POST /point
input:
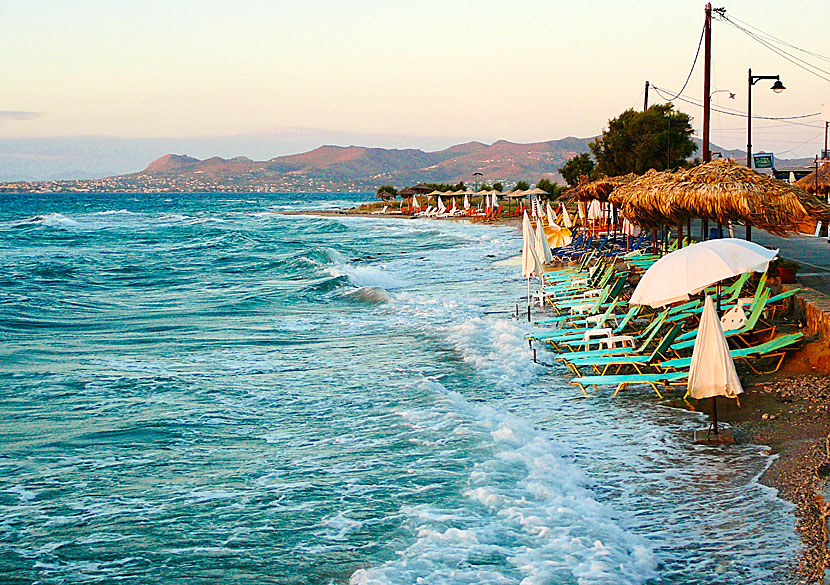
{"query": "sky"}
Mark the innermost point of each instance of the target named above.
(264, 78)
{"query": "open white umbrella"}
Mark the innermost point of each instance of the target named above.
(689, 270)
(712, 371)
(566, 218)
(542, 246)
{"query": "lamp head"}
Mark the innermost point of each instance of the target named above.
(778, 87)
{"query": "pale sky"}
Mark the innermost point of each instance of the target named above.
(521, 71)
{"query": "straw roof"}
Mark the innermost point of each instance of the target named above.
(600, 188)
(817, 181)
(722, 191)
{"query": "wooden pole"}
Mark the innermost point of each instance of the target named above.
(707, 80)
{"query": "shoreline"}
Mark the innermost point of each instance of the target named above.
(787, 412)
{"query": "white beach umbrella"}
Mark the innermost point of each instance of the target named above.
(441, 207)
(689, 270)
(566, 218)
(628, 228)
(531, 263)
(542, 246)
(551, 215)
(580, 209)
(712, 371)
(415, 201)
(495, 200)
(454, 206)
(466, 201)
(595, 210)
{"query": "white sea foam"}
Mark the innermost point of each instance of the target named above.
(530, 518)
(50, 219)
(367, 276)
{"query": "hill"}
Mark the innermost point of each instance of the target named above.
(332, 168)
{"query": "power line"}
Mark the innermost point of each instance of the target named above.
(694, 62)
(780, 41)
(797, 61)
(729, 111)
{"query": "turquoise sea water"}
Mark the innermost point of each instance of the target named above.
(198, 389)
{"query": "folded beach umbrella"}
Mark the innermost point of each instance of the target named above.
(566, 218)
(628, 228)
(712, 371)
(542, 246)
(551, 215)
(415, 201)
(595, 211)
(495, 200)
(466, 201)
(687, 271)
(441, 207)
(454, 206)
(531, 263)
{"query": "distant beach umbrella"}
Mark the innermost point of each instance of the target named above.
(551, 215)
(542, 246)
(466, 201)
(495, 200)
(566, 218)
(629, 228)
(595, 210)
(687, 271)
(441, 207)
(415, 201)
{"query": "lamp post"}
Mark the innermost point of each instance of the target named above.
(777, 87)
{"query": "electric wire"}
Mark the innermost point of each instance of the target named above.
(694, 62)
(797, 61)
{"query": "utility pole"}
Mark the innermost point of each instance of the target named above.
(707, 98)
(645, 107)
(824, 154)
(707, 80)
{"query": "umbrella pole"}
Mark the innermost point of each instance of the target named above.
(715, 415)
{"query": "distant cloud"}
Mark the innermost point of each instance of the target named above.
(6, 115)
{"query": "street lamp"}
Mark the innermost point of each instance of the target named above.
(777, 87)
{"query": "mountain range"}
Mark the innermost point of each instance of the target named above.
(362, 168)
(352, 168)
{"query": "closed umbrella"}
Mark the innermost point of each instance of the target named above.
(551, 215)
(566, 218)
(712, 371)
(415, 202)
(441, 207)
(466, 201)
(542, 246)
(689, 270)
(495, 200)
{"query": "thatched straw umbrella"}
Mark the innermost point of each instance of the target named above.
(818, 181)
(722, 191)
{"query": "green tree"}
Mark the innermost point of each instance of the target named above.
(522, 186)
(386, 192)
(581, 164)
(485, 187)
(498, 187)
(554, 189)
(659, 138)
(460, 186)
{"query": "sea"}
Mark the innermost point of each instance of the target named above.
(207, 388)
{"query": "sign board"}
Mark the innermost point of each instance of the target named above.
(764, 160)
